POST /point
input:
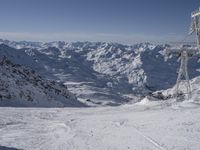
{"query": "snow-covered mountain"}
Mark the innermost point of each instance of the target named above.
(20, 86)
(101, 73)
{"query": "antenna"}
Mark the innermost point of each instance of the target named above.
(195, 25)
(184, 53)
(183, 77)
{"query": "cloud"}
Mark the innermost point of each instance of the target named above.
(107, 37)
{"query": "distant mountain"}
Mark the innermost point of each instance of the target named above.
(99, 72)
(20, 86)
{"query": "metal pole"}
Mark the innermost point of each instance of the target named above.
(183, 77)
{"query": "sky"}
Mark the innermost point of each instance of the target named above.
(123, 21)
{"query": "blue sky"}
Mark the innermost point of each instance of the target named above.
(124, 21)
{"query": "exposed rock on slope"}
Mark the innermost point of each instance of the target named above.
(20, 86)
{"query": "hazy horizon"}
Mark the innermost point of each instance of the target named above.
(126, 22)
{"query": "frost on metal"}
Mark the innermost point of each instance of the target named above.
(184, 53)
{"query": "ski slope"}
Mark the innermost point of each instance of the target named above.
(142, 126)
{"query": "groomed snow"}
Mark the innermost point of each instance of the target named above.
(142, 126)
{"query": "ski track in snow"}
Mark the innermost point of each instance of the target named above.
(134, 127)
(137, 131)
(155, 143)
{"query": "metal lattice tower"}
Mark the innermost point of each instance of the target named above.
(195, 26)
(183, 77)
(183, 87)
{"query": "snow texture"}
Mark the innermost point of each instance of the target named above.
(165, 125)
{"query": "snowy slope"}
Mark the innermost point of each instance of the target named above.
(20, 86)
(104, 73)
(195, 82)
(157, 126)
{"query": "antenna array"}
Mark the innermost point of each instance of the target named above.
(184, 53)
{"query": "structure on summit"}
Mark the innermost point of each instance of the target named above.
(184, 53)
(195, 26)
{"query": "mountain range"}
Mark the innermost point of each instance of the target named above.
(100, 73)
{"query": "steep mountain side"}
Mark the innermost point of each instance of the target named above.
(20, 86)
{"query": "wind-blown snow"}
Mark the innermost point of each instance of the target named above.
(153, 126)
